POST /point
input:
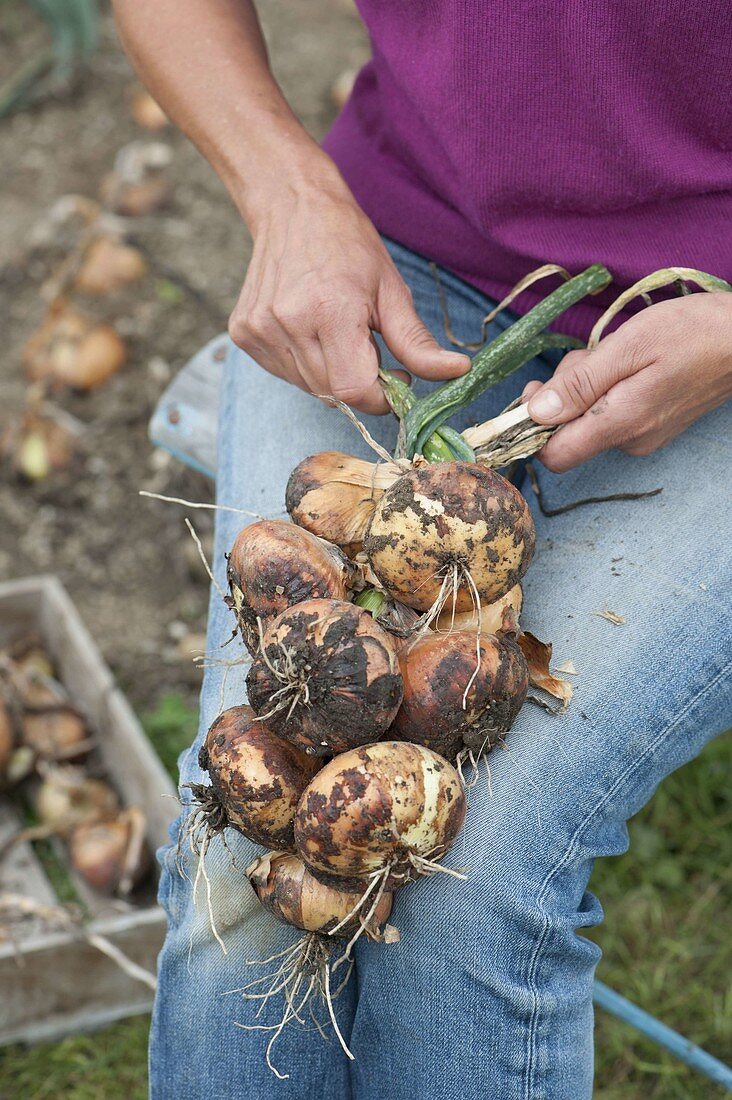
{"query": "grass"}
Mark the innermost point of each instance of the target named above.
(665, 940)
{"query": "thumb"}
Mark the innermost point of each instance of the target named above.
(411, 342)
(577, 385)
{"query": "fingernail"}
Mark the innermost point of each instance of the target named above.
(545, 405)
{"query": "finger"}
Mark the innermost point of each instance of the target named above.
(408, 338)
(617, 418)
(351, 362)
(530, 389)
(583, 377)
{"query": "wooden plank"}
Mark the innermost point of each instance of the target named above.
(61, 984)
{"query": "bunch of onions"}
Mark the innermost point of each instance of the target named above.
(274, 565)
(327, 677)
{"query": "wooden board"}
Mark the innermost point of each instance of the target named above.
(185, 422)
(55, 983)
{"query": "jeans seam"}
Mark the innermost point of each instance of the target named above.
(569, 851)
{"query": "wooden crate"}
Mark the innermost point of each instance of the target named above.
(57, 983)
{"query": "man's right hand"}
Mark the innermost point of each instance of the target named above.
(319, 282)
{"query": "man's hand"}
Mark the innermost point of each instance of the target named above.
(643, 384)
(319, 282)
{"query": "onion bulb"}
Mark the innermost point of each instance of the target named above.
(334, 496)
(302, 972)
(327, 678)
(450, 533)
(67, 798)
(286, 888)
(456, 701)
(136, 198)
(492, 617)
(383, 813)
(55, 733)
(111, 856)
(256, 779)
(272, 565)
(69, 349)
(109, 264)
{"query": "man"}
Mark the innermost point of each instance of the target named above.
(490, 138)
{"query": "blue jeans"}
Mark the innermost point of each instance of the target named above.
(489, 993)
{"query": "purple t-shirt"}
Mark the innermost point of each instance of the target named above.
(496, 136)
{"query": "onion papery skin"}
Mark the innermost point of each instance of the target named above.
(294, 896)
(257, 778)
(370, 808)
(501, 615)
(446, 518)
(439, 674)
(342, 668)
(333, 495)
(275, 564)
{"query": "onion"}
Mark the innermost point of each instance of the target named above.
(450, 532)
(286, 888)
(55, 733)
(108, 265)
(492, 617)
(256, 779)
(303, 970)
(334, 496)
(327, 678)
(455, 701)
(37, 445)
(382, 814)
(136, 199)
(67, 798)
(109, 855)
(272, 565)
(70, 349)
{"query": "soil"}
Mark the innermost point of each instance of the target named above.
(127, 562)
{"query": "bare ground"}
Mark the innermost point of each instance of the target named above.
(126, 562)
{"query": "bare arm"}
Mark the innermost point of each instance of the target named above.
(320, 279)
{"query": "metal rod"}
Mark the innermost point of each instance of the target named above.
(642, 1021)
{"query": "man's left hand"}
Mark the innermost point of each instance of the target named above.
(642, 385)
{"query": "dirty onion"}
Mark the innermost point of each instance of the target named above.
(326, 677)
(273, 565)
(285, 887)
